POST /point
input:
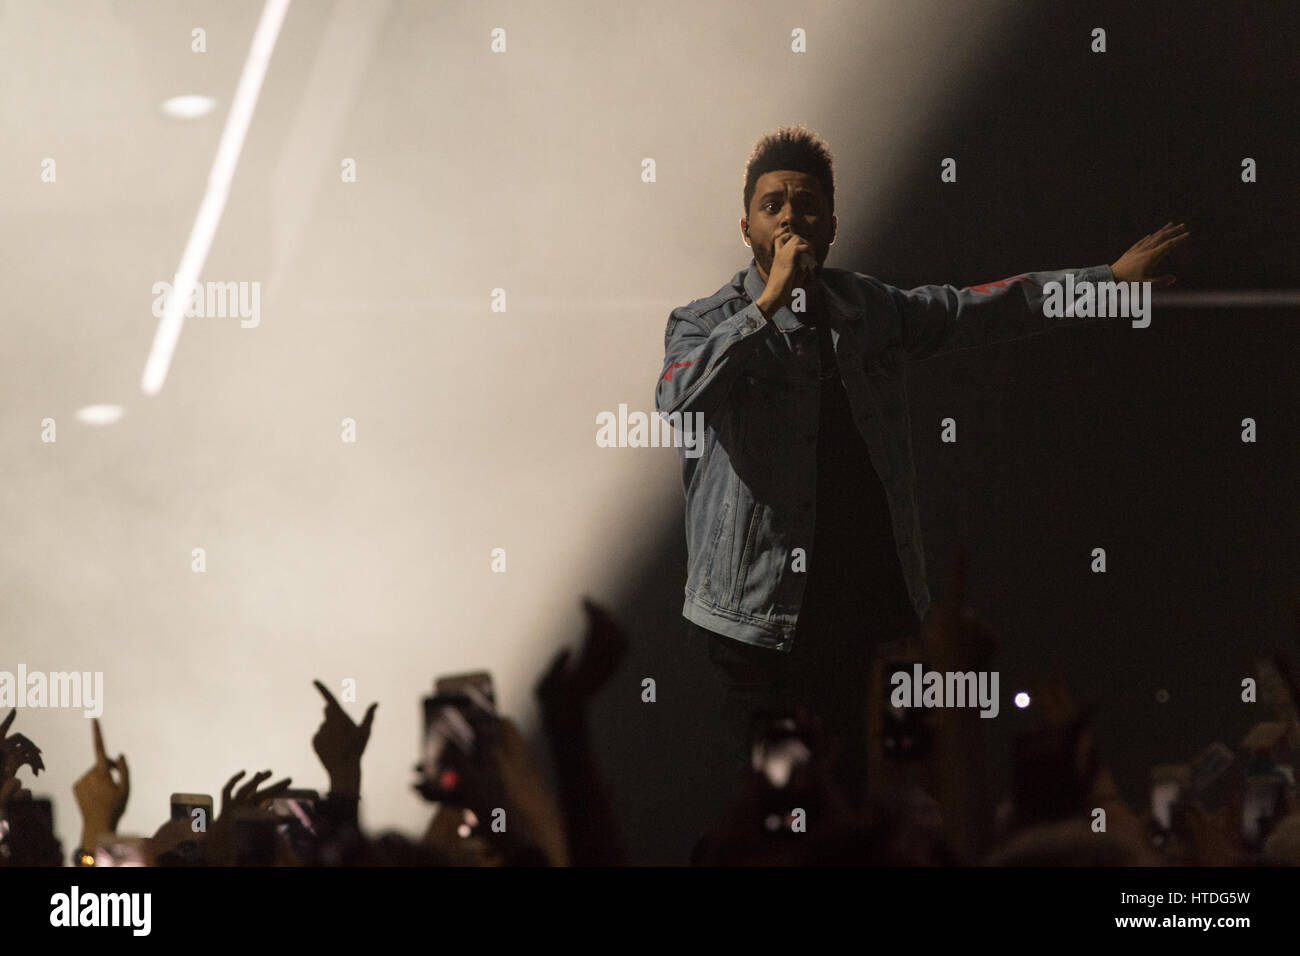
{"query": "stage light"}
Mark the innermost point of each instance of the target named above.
(188, 106)
(100, 414)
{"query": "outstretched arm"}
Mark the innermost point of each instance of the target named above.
(942, 318)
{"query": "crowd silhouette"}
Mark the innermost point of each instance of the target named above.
(931, 806)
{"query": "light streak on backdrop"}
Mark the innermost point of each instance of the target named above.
(214, 197)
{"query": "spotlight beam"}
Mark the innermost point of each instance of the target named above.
(215, 195)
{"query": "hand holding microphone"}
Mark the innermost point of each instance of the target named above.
(793, 264)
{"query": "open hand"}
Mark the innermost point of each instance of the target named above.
(1142, 261)
(566, 685)
(249, 795)
(15, 751)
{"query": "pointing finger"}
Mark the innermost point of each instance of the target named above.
(330, 702)
(100, 756)
(125, 784)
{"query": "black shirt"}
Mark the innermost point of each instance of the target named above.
(855, 579)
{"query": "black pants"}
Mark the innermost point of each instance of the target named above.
(828, 672)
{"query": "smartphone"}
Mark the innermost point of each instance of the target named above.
(905, 730)
(296, 817)
(780, 752)
(1169, 784)
(194, 808)
(476, 685)
(297, 807)
(122, 851)
(254, 836)
(457, 724)
(457, 731)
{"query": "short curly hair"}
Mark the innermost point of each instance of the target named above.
(796, 148)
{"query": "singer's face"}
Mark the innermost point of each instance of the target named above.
(788, 202)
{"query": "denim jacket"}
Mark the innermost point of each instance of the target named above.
(750, 484)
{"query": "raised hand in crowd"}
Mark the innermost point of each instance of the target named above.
(16, 751)
(565, 692)
(101, 797)
(340, 742)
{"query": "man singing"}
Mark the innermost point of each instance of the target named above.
(803, 537)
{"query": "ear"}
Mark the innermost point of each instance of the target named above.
(744, 231)
(835, 224)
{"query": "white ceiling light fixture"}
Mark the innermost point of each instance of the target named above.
(189, 106)
(215, 195)
(100, 414)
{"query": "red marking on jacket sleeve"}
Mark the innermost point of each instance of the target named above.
(987, 287)
(668, 375)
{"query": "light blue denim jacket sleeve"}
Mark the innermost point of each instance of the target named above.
(751, 383)
(941, 318)
(702, 360)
